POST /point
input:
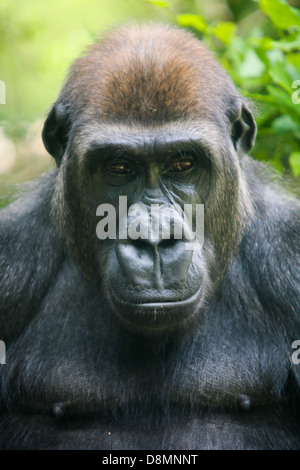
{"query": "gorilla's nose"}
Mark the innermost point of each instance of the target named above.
(154, 263)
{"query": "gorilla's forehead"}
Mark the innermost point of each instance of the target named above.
(205, 135)
(149, 74)
(150, 91)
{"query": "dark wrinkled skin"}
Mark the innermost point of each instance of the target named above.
(122, 344)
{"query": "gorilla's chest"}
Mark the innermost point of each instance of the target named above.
(79, 376)
(263, 428)
(75, 353)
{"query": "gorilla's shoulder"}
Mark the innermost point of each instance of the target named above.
(276, 210)
(25, 224)
(270, 249)
(31, 251)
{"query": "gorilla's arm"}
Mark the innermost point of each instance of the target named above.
(31, 253)
(271, 252)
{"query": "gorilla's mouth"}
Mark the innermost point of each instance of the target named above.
(156, 313)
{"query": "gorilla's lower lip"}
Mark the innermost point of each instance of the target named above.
(163, 303)
(157, 315)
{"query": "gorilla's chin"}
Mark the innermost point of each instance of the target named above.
(155, 313)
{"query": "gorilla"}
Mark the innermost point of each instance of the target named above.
(154, 340)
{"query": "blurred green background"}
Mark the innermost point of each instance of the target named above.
(258, 42)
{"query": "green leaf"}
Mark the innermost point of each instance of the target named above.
(258, 97)
(251, 66)
(290, 43)
(283, 101)
(287, 46)
(294, 59)
(264, 43)
(294, 161)
(280, 76)
(281, 14)
(224, 31)
(195, 21)
(285, 124)
(159, 3)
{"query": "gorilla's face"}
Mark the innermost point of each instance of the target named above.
(146, 219)
(139, 177)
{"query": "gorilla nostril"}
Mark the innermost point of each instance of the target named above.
(142, 248)
(141, 244)
(152, 245)
(168, 243)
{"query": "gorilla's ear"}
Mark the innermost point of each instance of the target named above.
(55, 132)
(243, 129)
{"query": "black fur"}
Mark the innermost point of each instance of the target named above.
(78, 376)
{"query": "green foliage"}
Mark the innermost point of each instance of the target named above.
(295, 162)
(258, 42)
(265, 64)
(282, 15)
(194, 21)
(159, 3)
(38, 42)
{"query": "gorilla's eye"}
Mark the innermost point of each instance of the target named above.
(120, 168)
(181, 165)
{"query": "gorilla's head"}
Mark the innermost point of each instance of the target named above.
(148, 125)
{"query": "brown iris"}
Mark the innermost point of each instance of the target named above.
(121, 168)
(181, 165)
